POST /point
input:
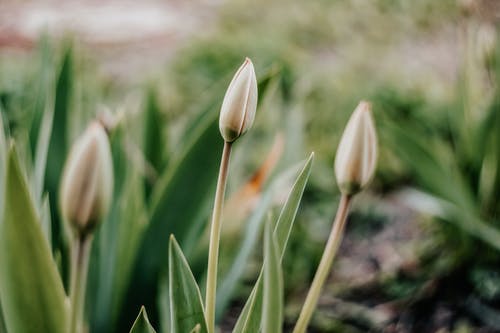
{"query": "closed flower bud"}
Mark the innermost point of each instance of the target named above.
(357, 152)
(240, 103)
(87, 183)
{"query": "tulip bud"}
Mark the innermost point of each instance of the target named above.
(87, 183)
(240, 103)
(357, 152)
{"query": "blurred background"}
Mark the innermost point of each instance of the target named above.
(422, 249)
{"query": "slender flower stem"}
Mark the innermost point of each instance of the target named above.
(324, 266)
(79, 270)
(213, 254)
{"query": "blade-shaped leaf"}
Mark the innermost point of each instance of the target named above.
(116, 240)
(57, 148)
(46, 220)
(250, 318)
(179, 201)
(3, 162)
(141, 324)
(186, 306)
(42, 88)
(42, 149)
(272, 307)
(287, 216)
(31, 289)
(154, 140)
(230, 280)
(58, 143)
(3, 329)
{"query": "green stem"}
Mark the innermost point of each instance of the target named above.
(324, 266)
(213, 253)
(79, 270)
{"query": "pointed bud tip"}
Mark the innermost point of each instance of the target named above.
(364, 106)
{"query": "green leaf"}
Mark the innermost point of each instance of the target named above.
(141, 324)
(272, 308)
(3, 162)
(179, 203)
(154, 140)
(287, 216)
(31, 290)
(58, 139)
(42, 89)
(251, 316)
(185, 299)
(45, 218)
(117, 240)
(42, 150)
(3, 329)
(239, 263)
(231, 278)
(57, 149)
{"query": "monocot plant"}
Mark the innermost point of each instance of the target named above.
(36, 295)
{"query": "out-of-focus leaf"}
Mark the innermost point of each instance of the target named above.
(154, 140)
(180, 200)
(272, 307)
(164, 305)
(186, 306)
(58, 141)
(265, 81)
(45, 218)
(31, 291)
(3, 162)
(42, 90)
(117, 240)
(445, 184)
(3, 329)
(251, 316)
(141, 324)
(448, 211)
(432, 170)
(42, 149)
(62, 103)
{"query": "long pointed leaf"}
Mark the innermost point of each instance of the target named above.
(154, 140)
(42, 150)
(179, 201)
(272, 307)
(230, 280)
(3, 162)
(186, 306)
(250, 318)
(31, 290)
(141, 324)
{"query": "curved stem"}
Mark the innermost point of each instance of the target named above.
(324, 266)
(79, 270)
(213, 253)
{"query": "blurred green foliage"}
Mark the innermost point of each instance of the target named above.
(320, 58)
